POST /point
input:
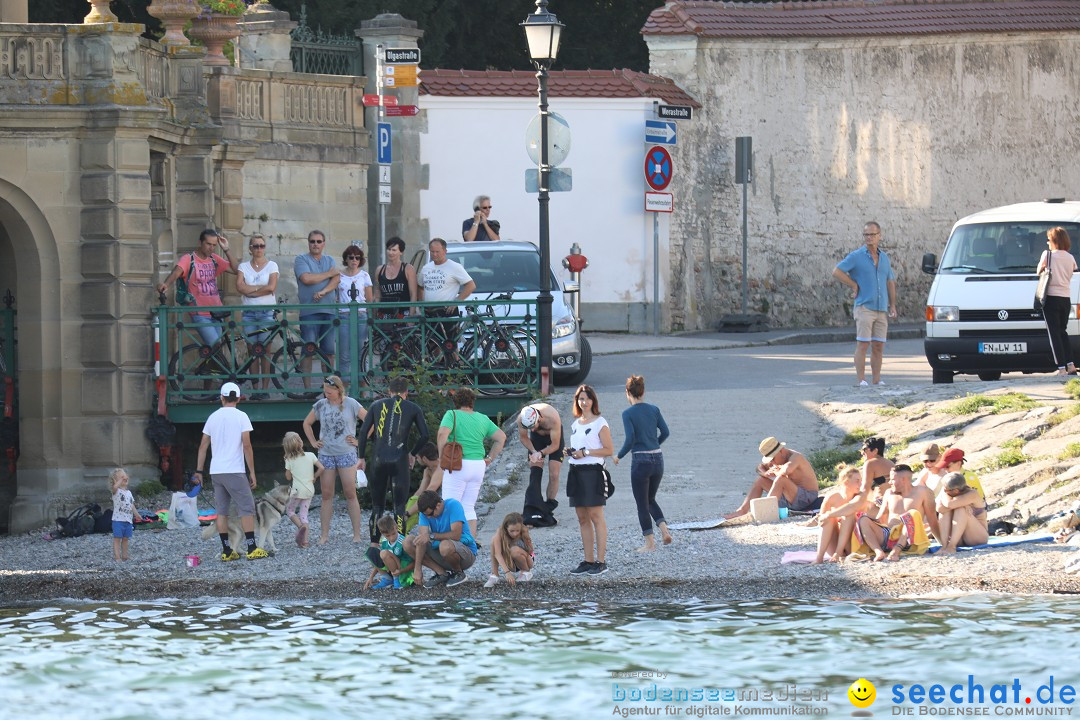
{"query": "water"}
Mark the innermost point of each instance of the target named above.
(500, 659)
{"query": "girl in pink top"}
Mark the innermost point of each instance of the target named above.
(1059, 297)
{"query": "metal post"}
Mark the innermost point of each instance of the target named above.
(544, 299)
(656, 273)
(379, 71)
(745, 185)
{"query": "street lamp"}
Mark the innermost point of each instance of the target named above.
(542, 32)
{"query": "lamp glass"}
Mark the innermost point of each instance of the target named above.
(543, 38)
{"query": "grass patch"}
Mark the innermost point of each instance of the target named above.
(148, 489)
(1066, 413)
(1072, 389)
(1008, 458)
(888, 411)
(1013, 444)
(1071, 450)
(1007, 402)
(898, 447)
(856, 436)
(824, 463)
(1059, 484)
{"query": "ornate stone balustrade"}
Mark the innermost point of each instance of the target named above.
(151, 68)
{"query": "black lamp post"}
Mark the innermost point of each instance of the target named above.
(542, 31)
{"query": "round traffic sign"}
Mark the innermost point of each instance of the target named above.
(558, 139)
(658, 167)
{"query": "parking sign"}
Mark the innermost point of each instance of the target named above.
(383, 143)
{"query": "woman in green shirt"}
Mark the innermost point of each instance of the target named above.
(470, 428)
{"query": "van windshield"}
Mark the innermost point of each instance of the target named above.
(500, 271)
(1000, 248)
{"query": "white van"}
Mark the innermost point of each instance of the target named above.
(980, 316)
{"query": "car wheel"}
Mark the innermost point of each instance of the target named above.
(584, 367)
(989, 376)
(943, 377)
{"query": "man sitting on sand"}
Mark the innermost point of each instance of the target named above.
(784, 474)
(899, 527)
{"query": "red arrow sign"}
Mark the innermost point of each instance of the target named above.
(402, 111)
(373, 100)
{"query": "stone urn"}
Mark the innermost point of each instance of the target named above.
(214, 30)
(173, 15)
(99, 13)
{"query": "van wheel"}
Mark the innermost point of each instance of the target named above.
(943, 377)
(989, 376)
(584, 366)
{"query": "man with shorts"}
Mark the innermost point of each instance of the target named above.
(441, 541)
(444, 280)
(899, 526)
(317, 279)
(389, 422)
(540, 431)
(871, 278)
(784, 474)
(227, 433)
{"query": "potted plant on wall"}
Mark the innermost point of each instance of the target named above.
(217, 25)
(174, 14)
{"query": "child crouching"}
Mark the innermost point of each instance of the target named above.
(511, 551)
(396, 562)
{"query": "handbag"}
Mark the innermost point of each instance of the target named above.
(452, 452)
(609, 486)
(1044, 283)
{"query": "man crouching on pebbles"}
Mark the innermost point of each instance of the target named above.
(784, 474)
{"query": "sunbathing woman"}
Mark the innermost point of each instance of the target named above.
(961, 514)
(832, 514)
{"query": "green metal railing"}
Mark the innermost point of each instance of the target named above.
(9, 390)
(491, 348)
(324, 53)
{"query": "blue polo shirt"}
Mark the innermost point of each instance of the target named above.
(873, 281)
(452, 512)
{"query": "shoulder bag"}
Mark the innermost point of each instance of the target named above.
(609, 486)
(1044, 282)
(452, 452)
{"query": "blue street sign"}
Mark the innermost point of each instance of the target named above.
(660, 132)
(383, 143)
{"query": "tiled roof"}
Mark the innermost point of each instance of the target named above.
(840, 18)
(561, 83)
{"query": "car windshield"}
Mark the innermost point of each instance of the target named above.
(1000, 248)
(499, 271)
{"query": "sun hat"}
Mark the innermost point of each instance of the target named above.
(769, 447)
(529, 417)
(953, 455)
(931, 454)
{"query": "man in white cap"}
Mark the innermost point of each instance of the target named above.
(227, 433)
(540, 431)
(784, 474)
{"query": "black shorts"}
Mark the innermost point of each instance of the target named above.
(540, 442)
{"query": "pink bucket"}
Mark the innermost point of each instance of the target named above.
(192, 561)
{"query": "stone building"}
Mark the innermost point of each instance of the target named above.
(911, 112)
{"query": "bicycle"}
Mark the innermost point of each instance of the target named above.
(196, 368)
(498, 354)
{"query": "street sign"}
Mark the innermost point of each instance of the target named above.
(558, 139)
(384, 194)
(660, 132)
(401, 71)
(402, 56)
(373, 100)
(559, 180)
(659, 202)
(675, 112)
(383, 146)
(658, 168)
(392, 81)
(384, 174)
(402, 111)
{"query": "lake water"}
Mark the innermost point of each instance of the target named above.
(501, 659)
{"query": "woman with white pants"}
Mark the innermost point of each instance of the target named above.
(470, 428)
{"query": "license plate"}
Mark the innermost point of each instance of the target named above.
(1003, 348)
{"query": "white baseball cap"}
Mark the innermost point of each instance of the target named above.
(230, 388)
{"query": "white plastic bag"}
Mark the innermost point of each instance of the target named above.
(183, 512)
(361, 479)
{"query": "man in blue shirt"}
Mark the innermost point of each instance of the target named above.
(441, 541)
(317, 279)
(868, 273)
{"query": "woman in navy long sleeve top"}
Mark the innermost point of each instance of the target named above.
(644, 430)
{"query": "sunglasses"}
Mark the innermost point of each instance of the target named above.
(315, 242)
(257, 247)
(330, 381)
(353, 257)
(485, 207)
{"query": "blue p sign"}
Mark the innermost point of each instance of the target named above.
(383, 141)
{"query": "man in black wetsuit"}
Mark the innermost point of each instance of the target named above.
(392, 418)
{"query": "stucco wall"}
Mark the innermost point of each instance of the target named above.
(473, 146)
(912, 132)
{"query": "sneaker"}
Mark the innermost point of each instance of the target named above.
(231, 555)
(384, 582)
(456, 578)
(863, 383)
(598, 568)
(581, 569)
(492, 581)
(438, 580)
(879, 383)
(524, 576)
(397, 583)
(257, 554)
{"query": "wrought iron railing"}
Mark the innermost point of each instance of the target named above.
(489, 348)
(9, 390)
(324, 53)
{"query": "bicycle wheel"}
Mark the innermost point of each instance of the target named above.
(509, 365)
(288, 364)
(196, 372)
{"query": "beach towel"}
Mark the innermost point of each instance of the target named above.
(911, 521)
(698, 525)
(1000, 542)
(800, 557)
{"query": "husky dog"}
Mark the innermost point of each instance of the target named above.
(269, 509)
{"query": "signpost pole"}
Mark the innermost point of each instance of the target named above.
(656, 273)
(379, 70)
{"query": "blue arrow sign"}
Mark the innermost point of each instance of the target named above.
(383, 143)
(660, 132)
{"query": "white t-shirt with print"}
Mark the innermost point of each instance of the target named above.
(584, 436)
(443, 282)
(360, 281)
(258, 277)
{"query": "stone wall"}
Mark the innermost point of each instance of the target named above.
(912, 132)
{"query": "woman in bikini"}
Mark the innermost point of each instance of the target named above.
(961, 514)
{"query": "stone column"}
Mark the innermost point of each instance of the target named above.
(406, 174)
(265, 43)
(14, 11)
